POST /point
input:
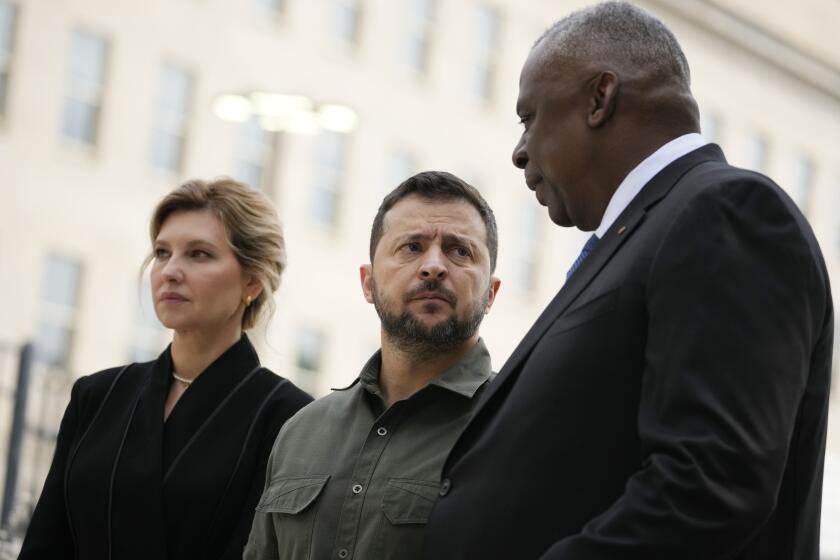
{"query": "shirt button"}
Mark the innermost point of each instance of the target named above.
(357, 488)
(381, 431)
(343, 553)
(445, 486)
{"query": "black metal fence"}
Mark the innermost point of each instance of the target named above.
(33, 397)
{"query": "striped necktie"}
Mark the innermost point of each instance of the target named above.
(587, 248)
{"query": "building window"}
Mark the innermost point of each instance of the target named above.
(275, 7)
(85, 87)
(309, 357)
(59, 303)
(757, 149)
(401, 166)
(169, 136)
(526, 257)
(310, 343)
(8, 20)
(347, 16)
(148, 333)
(417, 41)
(488, 25)
(803, 182)
(329, 168)
(255, 163)
(837, 218)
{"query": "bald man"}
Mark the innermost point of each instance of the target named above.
(671, 401)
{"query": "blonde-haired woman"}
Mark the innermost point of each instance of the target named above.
(166, 459)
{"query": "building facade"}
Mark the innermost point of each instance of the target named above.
(105, 106)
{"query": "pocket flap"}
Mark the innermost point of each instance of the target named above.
(409, 501)
(291, 494)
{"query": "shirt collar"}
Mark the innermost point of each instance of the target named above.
(643, 173)
(467, 375)
(464, 377)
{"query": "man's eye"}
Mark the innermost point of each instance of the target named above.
(412, 247)
(462, 251)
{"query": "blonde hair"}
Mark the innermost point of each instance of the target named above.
(254, 231)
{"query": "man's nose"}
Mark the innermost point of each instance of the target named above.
(520, 156)
(433, 266)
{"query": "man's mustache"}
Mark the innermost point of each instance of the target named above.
(432, 287)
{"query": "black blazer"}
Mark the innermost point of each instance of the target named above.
(670, 402)
(125, 485)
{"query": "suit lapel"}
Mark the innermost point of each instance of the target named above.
(137, 495)
(625, 225)
(205, 399)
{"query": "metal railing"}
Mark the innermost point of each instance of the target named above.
(33, 396)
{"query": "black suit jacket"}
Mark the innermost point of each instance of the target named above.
(670, 402)
(125, 485)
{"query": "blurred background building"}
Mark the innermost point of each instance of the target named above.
(105, 105)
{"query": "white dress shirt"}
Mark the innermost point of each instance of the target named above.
(644, 172)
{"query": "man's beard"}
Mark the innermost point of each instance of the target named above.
(409, 334)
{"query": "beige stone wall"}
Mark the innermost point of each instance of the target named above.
(92, 204)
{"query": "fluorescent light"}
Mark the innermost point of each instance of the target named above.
(296, 114)
(302, 122)
(337, 118)
(274, 124)
(278, 104)
(233, 108)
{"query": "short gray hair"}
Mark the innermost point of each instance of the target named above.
(618, 32)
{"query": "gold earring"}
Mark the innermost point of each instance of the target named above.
(247, 301)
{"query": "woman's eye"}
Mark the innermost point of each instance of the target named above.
(161, 253)
(199, 254)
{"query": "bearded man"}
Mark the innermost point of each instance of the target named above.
(355, 474)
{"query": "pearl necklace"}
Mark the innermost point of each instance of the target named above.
(186, 382)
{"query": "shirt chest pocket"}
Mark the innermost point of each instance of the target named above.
(291, 503)
(406, 506)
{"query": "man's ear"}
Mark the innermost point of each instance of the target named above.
(603, 97)
(366, 277)
(495, 284)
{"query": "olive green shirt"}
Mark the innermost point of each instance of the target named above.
(349, 479)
